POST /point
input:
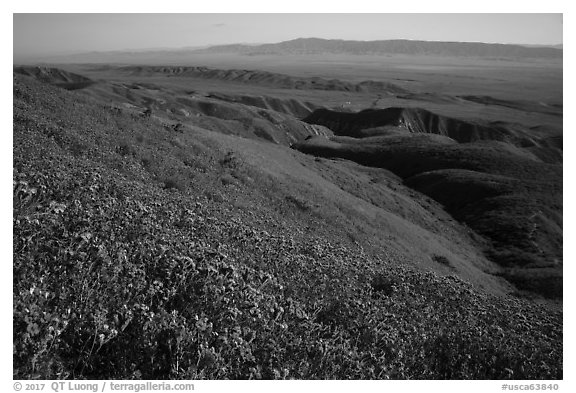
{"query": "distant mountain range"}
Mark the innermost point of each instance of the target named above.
(316, 46)
(302, 46)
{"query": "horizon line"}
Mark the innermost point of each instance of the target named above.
(207, 46)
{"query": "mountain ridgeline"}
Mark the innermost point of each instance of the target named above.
(264, 78)
(306, 46)
(318, 46)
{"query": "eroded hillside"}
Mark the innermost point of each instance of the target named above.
(503, 182)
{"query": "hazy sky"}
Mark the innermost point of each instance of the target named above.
(39, 34)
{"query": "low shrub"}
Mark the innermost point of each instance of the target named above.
(174, 183)
(441, 259)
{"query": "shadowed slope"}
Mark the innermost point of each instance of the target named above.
(506, 195)
(416, 120)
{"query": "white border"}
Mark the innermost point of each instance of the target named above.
(356, 6)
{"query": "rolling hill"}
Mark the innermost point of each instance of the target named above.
(269, 79)
(55, 76)
(496, 180)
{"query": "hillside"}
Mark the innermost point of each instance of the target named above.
(374, 122)
(270, 79)
(504, 182)
(55, 76)
(214, 251)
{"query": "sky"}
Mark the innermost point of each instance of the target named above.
(41, 34)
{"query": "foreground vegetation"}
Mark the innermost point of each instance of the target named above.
(124, 268)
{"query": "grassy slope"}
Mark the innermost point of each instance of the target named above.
(356, 219)
(129, 236)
